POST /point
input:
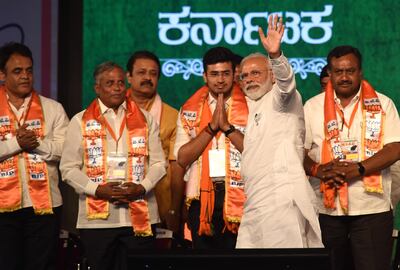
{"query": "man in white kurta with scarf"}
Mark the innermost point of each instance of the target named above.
(352, 137)
(279, 211)
(113, 158)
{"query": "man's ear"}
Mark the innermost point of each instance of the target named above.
(205, 77)
(128, 77)
(96, 89)
(272, 76)
(2, 76)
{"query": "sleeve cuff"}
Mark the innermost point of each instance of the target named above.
(277, 61)
(90, 188)
(42, 149)
(392, 140)
(147, 184)
(14, 146)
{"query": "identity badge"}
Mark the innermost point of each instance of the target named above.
(350, 149)
(216, 158)
(116, 167)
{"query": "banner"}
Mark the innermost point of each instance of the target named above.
(180, 32)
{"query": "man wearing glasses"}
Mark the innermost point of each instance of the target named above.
(278, 212)
(208, 144)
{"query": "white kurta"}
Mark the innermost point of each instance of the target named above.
(279, 211)
(73, 171)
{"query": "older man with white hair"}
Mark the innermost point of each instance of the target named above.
(279, 211)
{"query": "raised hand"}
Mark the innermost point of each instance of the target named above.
(272, 42)
(215, 118)
(220, 120)
(223, 123)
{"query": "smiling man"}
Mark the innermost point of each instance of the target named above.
(113, 158)
(208, 145)
(278, 212)
(32, 130)
(352, 137)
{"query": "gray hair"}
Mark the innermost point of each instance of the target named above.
(103, 67)
(256, 55)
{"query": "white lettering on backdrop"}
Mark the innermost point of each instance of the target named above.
(186, 26)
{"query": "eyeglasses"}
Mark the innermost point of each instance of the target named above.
(254, 74)
(215, 74)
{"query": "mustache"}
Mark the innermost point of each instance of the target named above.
(247, 87)
(146, 83)
(344, 82)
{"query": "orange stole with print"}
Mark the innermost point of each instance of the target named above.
(371, 142)
(196, 115)
(95, 155)
(36, 167)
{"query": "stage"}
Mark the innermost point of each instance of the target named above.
(244, 259)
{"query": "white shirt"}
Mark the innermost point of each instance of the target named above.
(73, 172)
(276, 186)
(183, 138)
(50, 148)
(360, 202)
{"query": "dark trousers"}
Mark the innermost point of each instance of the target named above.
(108, 248)
(29, 241)
(358, 242)
(220, 239)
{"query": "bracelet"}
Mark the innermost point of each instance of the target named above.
(212, 130)
(207, 129)
(314, 169)
(230, 130)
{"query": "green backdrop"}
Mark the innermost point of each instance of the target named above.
(114, 29)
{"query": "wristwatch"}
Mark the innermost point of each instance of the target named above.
(171, 212)
(230, 130)
(361, 169)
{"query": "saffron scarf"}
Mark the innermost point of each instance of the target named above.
(36, 168)
(371, 142)
(153, 106)
(95, 155)
(195, 116)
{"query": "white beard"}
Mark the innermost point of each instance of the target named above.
(259, 92)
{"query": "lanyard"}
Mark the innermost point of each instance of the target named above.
(341, 114)
(121, 130)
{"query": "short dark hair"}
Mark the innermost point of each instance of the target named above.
(142, 55)
(324, 72)
(218, 55)
(11, 48)
(105, 66)
(237, 59)
(343, 50)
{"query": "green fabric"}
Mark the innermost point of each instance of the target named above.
(114, 29)
(397, 217)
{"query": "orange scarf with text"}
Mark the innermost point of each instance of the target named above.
(36, 168)
(95, 158)
(371, 142)
(195, 116)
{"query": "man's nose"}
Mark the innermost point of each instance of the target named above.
(24, 74)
